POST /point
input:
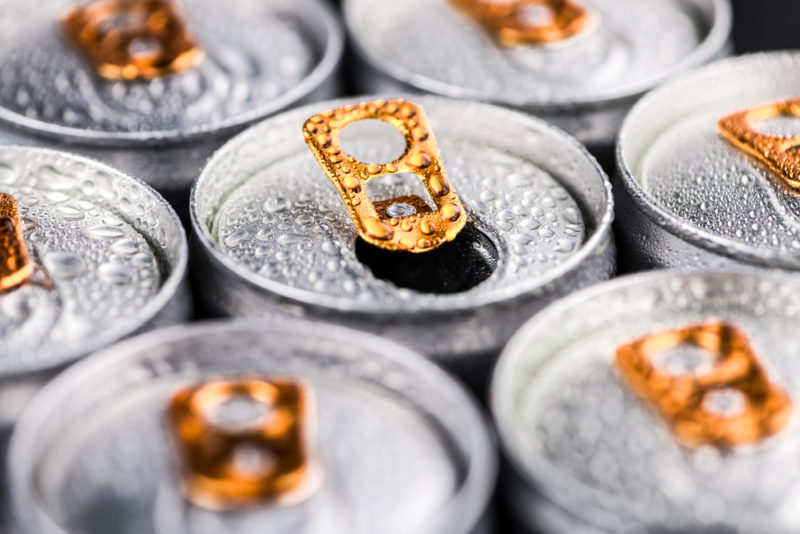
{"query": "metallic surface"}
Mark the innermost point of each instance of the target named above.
(261, 58)
(130, 39)
(16, 266)
(245, 442)
(777, 151)
(405, 448)
(585, 85)
(592, 457)
(274, 237)
(512, 24)
(689, 198)
(422, 230)
(114, 250)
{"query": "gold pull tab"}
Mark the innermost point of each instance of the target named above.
(420, 232)
(684, 400)
(509, 23)
(130, 39)
(16, 267)
(245, 442)
(780, 153)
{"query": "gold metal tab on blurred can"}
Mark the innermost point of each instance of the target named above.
(16, 266)
(133, 39)
(510, 26)
(683, 400)
(425, 229)
(245, 442)
(778, 152)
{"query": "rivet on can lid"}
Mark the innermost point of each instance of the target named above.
(420, 230)
(133, 39)
(683, 400)
(509, 24)
(780, 153)
(16, 266)
(245, 442)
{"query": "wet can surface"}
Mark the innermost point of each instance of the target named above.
(107, 258)
(275, 237)
(660, 402)
(392, 444)
(578, 65)
(156, 102)
(706, 175)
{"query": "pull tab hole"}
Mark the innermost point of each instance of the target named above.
(239, 412)
(372, 141)
(536, 16)
(726, 402)
(785, 124)
(144, 48)
(686, 359)
(396, 186)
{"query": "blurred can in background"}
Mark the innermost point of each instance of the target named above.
(706, 163)
(153, 87)
(89, 256)
(579, 65)
(391, 443)
(275, 237)
(660, 402)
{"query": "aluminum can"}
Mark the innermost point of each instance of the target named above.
(688, 197)
(274, 237)
(403, 447)
(111, 259)
(660, 402)
(583, 82)
(261, 56)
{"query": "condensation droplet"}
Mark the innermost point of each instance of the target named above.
(112, 273)
(103, 231)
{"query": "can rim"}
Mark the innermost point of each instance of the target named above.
(515, 352)
(665, 219)
(322, 71)
(462, 512)
(589, 247)
(715, 41)
(169, 288)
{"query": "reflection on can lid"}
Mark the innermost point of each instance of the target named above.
(638, 406)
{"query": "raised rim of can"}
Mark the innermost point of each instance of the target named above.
(325, 68)
(464, 511)
(515, 351)
(169, 288)
(589, 247)
(670, 222)
(715, 41)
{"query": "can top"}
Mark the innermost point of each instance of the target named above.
(660, 402)
(110, 253)
(265, 210)
(404, 447)
(683, 170)
(623, 50)
(260, 56)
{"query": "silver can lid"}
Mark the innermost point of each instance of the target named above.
(260, 56)
(109, 252)
(683, 173)
(266, 211)
(598, 438)
(624, 48)
(403, 447)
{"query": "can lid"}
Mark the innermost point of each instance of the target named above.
(404, 447)
(710, 158)
(652, 403)
(260, 56)
(594, 53)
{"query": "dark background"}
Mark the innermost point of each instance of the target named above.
(765, 25)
